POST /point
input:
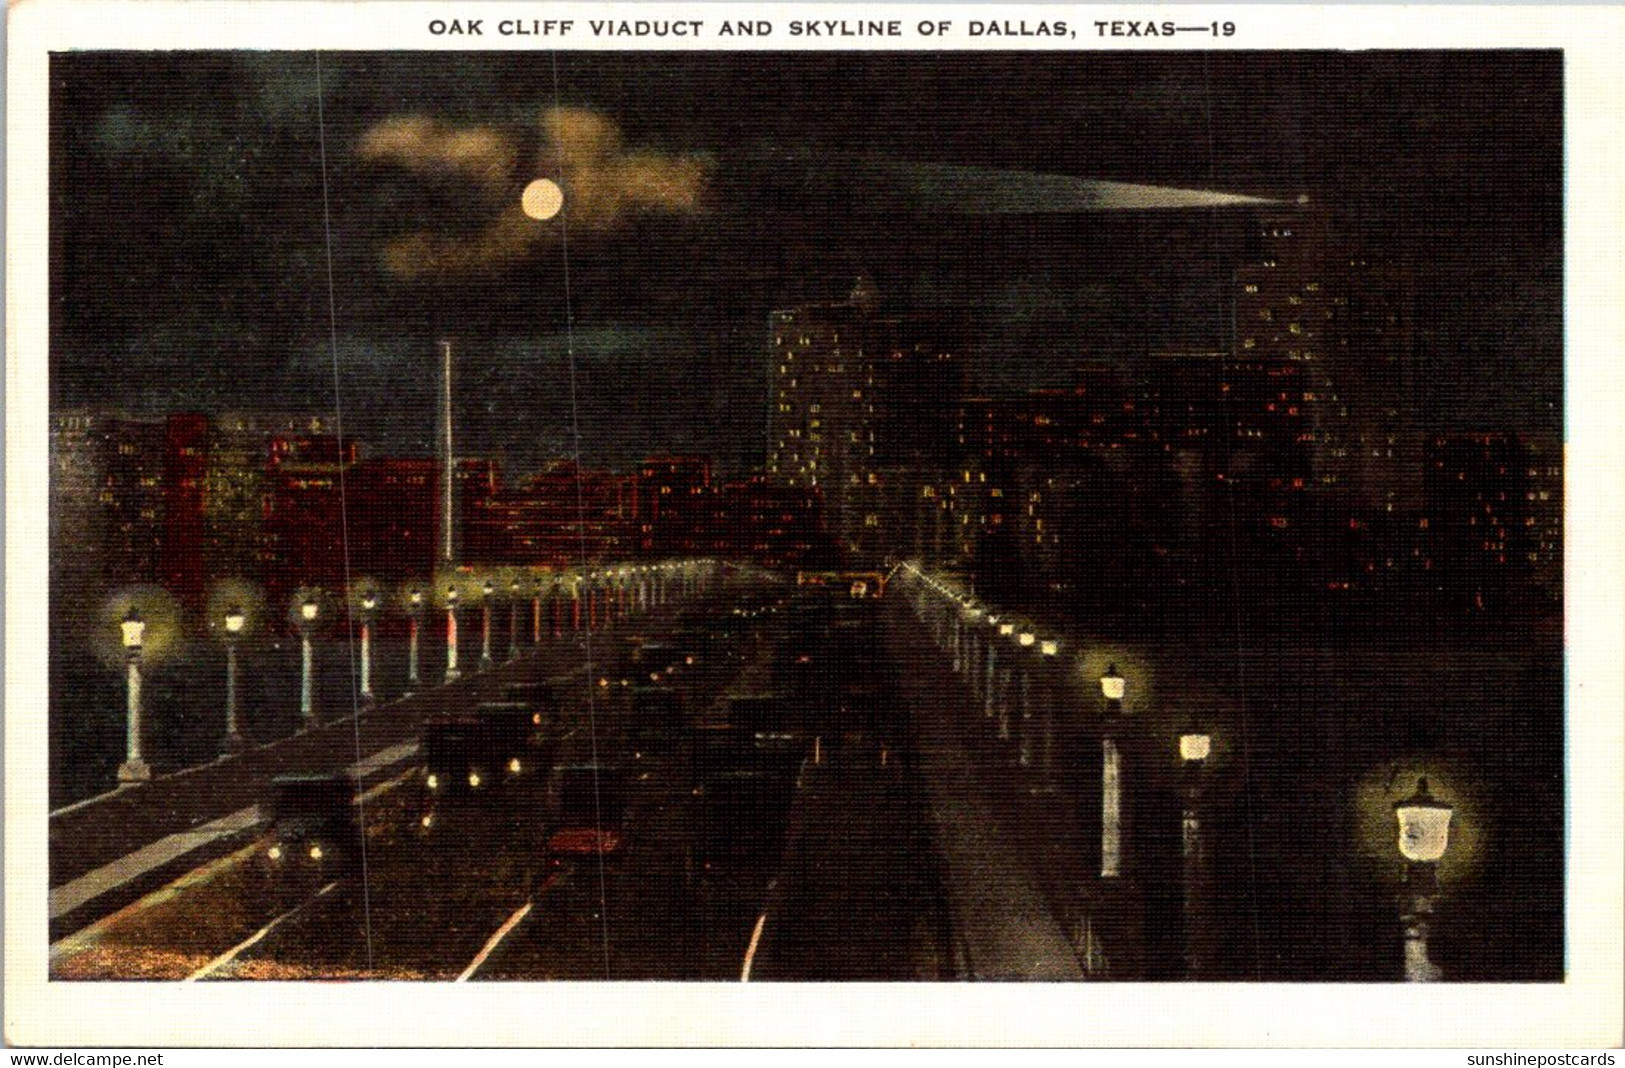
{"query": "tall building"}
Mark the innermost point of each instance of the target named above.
(306, 512)
(862, 409)
(673, 500)
(132, 499)
(1493, 516)
(182, 568)
(77, 514)
(559, 516)
(1321, 372)
(395, 518)
(236, 487)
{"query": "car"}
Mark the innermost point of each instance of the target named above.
(657, 718)
(315, 832)
(591, 806)
(542, 697)
(513, 730)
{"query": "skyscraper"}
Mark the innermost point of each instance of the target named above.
(862, 411)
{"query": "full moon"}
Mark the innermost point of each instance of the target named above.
(542, 199)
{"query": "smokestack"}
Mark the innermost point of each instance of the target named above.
(449, 552)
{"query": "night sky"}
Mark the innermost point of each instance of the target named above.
(188, 268)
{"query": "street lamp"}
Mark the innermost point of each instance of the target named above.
(1195, 746)
(131, 630)
(1048, 650)
(1024, 744)
(308, 611)
(513, 620)
(452, 674)
(1112, 687)
(990, 682)
(369, 605)
(486, 590)
(414, 612)
(235, 619)
(536, 611)
(1001, 682)
(1424, 835)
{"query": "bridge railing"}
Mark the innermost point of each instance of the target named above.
(1106, 771)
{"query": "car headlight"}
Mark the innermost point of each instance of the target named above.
(434, 782)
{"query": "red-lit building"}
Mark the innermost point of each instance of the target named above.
(765, 521)
(181, 550)
(395, 517)
(304, 517)
(1493, 516)
(558, 516)
(673, 501)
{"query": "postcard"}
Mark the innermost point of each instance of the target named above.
(724, 524)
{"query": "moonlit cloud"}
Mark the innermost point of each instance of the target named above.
(604, 184)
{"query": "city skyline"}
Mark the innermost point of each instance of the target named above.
(667, 291)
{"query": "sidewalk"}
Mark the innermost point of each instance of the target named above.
(108, 850)
(1005, 927)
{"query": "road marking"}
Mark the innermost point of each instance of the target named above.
(231, 954)
(109, 877)
(383, 759)
(750, 954)
(85, 938)
(69, 896)
(495, 940)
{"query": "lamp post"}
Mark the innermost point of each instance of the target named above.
(452, 674)
(990, 672)
(1004, 680)
(414, 613)
(234, 742)
(1424, 835)
(134, 769)
(1048, 649)
(308, 611)
(1112, 687)
(1024, 731)
(513, 620)
(536, 611)
(1194, 747)
(369, 605)
(485, 626)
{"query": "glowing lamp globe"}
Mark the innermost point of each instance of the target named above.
(235, 618)
(1194, 747)
(489, 588)
(369, 600)
(416, 599)
(308, 610)
(1112, 685)
(131, 628)
(1424, 825)
(1049, 647)
(451, 597)
(1006, 629)
(1026, 638)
